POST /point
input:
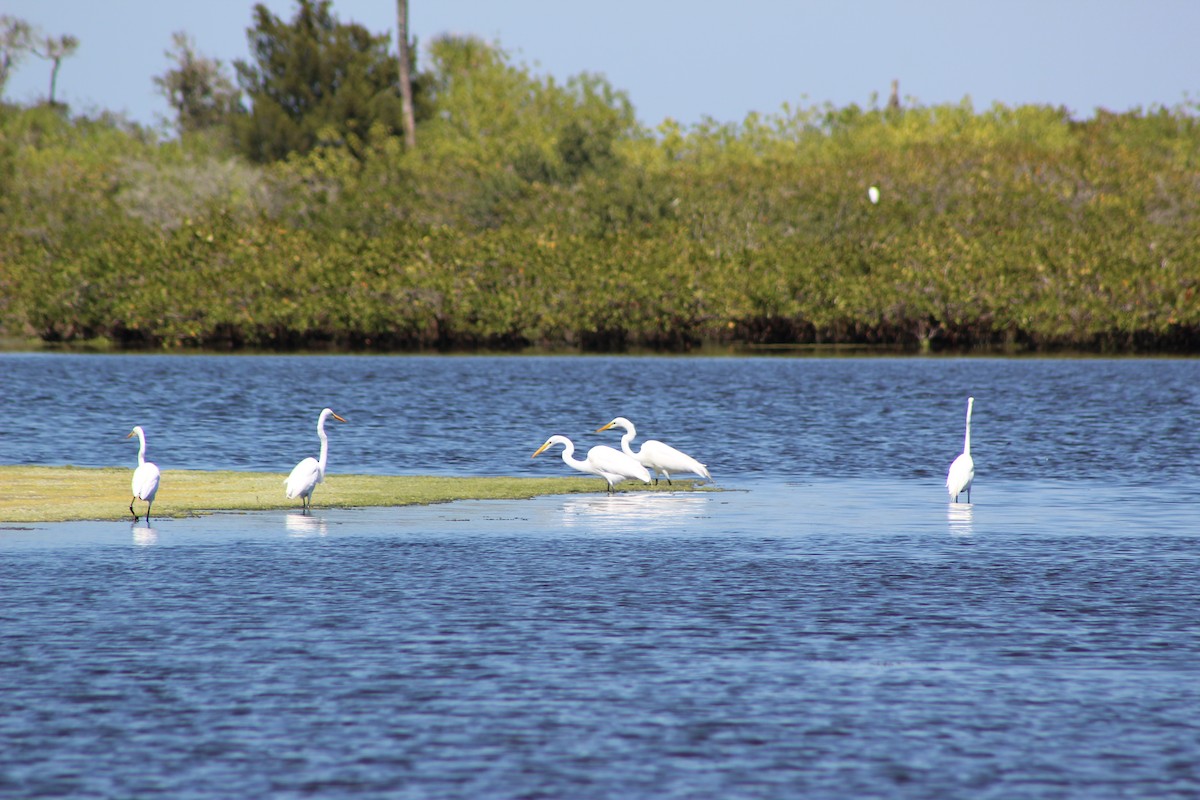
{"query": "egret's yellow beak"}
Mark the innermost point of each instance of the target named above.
(339, 419)
(130, 436)
(540, 450)
(606, 427)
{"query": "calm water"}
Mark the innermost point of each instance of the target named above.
(1130, 421)
(830, 627)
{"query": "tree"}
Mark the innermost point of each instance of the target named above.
(406, 89)
(16, 40)
(18, 37)
(490, 111)
(56, 49)
(198, 88)
(311, 78)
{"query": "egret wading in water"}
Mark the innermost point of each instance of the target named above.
(612, 465)
(653, 454)
(145, 477)
(962, 469)
(311, 471)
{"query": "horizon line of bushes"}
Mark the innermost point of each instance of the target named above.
(539, 214)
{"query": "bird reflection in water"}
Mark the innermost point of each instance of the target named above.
(143, 537)
(961, 517)
(640, 511)
(302, 525)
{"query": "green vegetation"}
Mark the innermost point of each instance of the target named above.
(312, 78)
(533, 212)
(60, 494)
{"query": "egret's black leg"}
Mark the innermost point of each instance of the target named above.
(131, 511)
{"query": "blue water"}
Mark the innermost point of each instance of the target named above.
(829, 626)
(1132, 421)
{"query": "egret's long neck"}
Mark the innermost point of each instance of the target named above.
(141, 448)
(627, 441)
(324, 445)
(568, 456)
(967, 438)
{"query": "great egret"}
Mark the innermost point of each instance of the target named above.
(145, 477)
(612, 465)
(962, 469)
(656, 455)
(873, 194)
(311, 471)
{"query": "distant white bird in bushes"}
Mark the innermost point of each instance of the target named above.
(311, 471)
(145, 477)
(873, 193)
(612, 465)
(962, 469)
(662, 458)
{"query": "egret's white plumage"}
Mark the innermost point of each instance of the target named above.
(962, 469)
(662, 458)
(145, 477)
(311, 471)
(612, 465)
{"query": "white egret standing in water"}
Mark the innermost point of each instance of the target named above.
(145, 477)
(962, 469)
(612, 465)
(662, 458)
(311, 471)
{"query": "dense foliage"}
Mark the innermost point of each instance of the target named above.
(310, 78)
(540, 213)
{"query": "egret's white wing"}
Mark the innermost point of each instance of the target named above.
(614, 462)
(962, 472)
(304, 478)
(145, 481)
(664, 458)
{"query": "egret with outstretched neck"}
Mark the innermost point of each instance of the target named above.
(145, 477)
(311, 471)
(612, 465)
(653, 454)
(962, 469)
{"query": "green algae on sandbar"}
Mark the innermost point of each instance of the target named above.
(63, 494)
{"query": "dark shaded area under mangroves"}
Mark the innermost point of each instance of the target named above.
(1015, 228)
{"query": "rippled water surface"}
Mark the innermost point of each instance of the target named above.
(829, 626)
(1128, 420)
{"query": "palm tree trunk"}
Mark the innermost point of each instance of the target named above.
(54, 78)
(406, 97)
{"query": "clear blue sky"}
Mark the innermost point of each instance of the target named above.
(688, 60)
